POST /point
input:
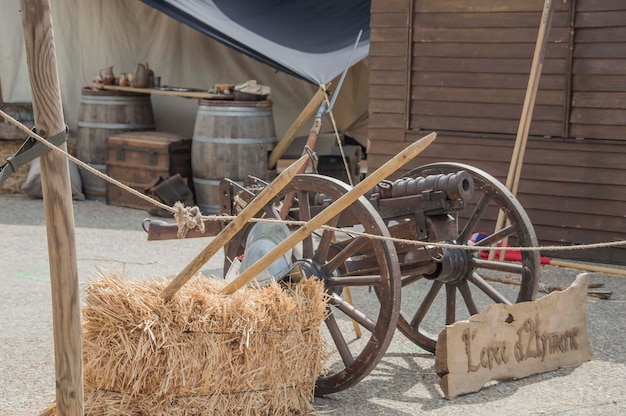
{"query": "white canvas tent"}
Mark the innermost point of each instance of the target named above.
(92, 34)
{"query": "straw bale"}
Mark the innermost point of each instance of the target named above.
(13, 184)
(256, 352)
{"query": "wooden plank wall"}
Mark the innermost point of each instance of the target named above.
(599, 70)
(461, 68)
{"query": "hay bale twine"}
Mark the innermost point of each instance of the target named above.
(256, 352)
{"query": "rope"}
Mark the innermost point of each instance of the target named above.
(188, 218)
(442, 245)
(336, 130)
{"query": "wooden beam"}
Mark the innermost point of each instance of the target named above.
(171, 91)
(57, 200)
(295, 127)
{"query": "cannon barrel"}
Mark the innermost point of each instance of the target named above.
(457, 185)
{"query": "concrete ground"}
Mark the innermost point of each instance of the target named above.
(404, 383)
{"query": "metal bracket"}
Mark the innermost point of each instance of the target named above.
(29, 151)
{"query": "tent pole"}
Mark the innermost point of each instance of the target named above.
(295, 127)
(57, 200)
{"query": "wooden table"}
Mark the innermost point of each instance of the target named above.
(193, 93)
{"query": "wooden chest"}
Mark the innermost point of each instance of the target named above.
(139, 159)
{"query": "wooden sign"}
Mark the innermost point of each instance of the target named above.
(515, 341)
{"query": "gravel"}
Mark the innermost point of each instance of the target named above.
(404, 383)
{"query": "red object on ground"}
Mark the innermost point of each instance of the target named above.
(509, 255)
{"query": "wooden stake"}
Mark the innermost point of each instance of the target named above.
(587, 267)
(233, 227)
(355, 324)
(57, 199)
(295, 127)
(515, 168)
(331, 211)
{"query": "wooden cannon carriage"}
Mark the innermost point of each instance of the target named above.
(381, 247)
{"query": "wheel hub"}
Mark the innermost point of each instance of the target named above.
(452, 267)
(310, 268)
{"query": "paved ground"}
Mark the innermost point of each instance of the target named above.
(404, 383)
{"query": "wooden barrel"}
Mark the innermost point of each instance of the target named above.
(231, 139)
(94, 187)
(103, 114)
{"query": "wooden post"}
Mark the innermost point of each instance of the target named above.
(515, 168)
(330, 212)
(295, 127)
(57, 199)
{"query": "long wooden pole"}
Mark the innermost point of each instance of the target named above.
(57, 201)
(531, 95)
(587, 267)
(295, 127)
(331, 211)
(233, 227)
(515, 168)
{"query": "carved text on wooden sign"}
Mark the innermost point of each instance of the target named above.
(514, 341)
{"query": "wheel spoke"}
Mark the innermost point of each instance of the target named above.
(500, 266)
(341, 257)
(411, 278)
(325, 241)
(353, 313)
(467, 297)
(426, 304)
(450, 304)
(507, 231)
(304, 209)
(474, 218)
(489, 290)
(339, 340)
(361, 280)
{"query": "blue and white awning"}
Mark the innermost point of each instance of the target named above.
(310, 39)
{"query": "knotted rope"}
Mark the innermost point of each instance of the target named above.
(188, 218)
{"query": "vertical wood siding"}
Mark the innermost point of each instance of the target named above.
(599, 70)
(461, 68)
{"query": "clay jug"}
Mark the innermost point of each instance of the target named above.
(108, 78)
(140, 78)
(123, 82)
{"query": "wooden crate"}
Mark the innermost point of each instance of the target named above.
(139, 159)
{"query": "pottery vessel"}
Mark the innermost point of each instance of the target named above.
(140, 79)
(108, 78)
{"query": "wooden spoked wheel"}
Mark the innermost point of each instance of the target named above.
(461, 286)
(336, 257)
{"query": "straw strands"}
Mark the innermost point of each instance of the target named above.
(13, 184)
(256, 352)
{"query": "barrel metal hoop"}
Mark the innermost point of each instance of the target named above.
(234, 112)
(235, 140)
(114, 100)
(117, 126)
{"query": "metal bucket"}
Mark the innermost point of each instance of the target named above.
(263, 238)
